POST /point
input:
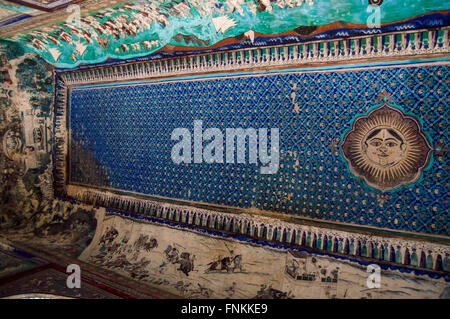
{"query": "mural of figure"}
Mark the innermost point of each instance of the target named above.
(13, 142)
(228, 264)
(109, 236)
(237, 260)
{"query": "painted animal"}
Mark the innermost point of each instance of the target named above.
(186, 263)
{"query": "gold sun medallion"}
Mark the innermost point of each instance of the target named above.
(386, 148)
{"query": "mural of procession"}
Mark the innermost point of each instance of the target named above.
(195, 266)
(189, 266)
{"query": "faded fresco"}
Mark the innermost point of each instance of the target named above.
(25, 135)
(315, 113)
(28, 209)
(199, 266)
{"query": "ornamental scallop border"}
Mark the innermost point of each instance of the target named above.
(412, 253)
(263, 230)
(390, 45)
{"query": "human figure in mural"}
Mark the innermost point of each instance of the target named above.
(237, 260)
(185, 259)
(12, 145)
(171, 254)
(292, 268)
(229, 264)
(384, 147)
(145, 243)
(109, 236)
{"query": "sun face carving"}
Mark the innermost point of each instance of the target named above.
(386, 148)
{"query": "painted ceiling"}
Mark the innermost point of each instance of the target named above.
(139, 28)
(46, 5)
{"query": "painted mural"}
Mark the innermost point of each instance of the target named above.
(11, 13)
(363, 146)
(313, 112)
(387, 149)
(197, 266)
(25, 126)
(27, 206)
(139, 28)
